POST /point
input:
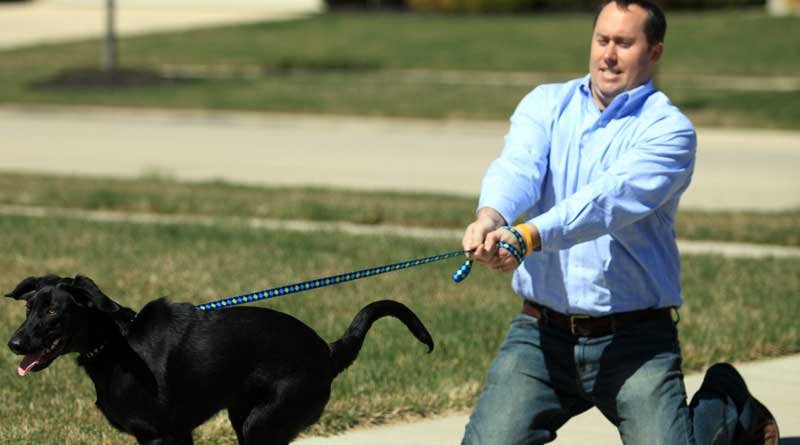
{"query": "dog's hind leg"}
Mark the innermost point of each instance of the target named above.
(172, 439)
(237, 416)
(272, 424)
(277, 423)
(262, 427)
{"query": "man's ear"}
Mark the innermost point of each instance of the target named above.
(657, 52)
(27, 287)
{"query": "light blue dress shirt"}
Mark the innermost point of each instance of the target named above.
(603, 190)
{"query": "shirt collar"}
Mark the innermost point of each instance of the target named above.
(625, 103)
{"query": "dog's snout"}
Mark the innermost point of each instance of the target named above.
(15, 345)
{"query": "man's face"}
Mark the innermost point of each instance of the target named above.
(620, 59)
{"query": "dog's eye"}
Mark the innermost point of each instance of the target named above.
(51, 311)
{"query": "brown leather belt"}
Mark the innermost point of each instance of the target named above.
(587, 326)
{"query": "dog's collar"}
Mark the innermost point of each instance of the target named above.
(99, 349)
(94, 352)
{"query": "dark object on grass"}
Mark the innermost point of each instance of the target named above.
(365, 4)
(88, 78)
(164, 371)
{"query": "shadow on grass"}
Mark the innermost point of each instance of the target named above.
(288, 67)
(93, 78)
(337, 64)
(693, 104)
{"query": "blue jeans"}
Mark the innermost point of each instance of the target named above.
(543, 376)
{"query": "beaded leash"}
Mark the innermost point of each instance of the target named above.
(465, 268)
(329, 281)
(279, 291)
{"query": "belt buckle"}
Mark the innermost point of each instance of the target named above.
(572, 326)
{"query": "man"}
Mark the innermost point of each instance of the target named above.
(597, 165)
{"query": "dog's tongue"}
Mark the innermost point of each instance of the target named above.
(28, 363)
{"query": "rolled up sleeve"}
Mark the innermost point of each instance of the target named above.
(512, 183)
(652, 171)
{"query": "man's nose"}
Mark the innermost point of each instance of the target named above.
(611, 54)
(15, 345)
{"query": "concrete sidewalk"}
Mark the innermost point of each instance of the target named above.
(53, 21)
(774, 382)
(736, 169)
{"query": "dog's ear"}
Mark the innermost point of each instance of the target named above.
(27, 287)
(85, 293)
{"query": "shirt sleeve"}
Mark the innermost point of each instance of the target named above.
(654, 170)
(512, 183)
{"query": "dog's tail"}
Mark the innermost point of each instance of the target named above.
(345, 350)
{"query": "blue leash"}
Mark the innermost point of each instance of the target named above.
(458, 277)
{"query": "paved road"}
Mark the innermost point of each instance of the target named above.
(44, 21)
(749, 169)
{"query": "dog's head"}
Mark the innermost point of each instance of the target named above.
(58, 314)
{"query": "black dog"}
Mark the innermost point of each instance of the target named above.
(162, 372)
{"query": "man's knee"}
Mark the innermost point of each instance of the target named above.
(651, 409)
(504, 431)
(514, 409)
(514, 405)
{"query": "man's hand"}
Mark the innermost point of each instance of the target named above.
(484, 235)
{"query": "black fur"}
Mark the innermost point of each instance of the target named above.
(162, 372)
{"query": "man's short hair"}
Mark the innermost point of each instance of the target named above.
(655, 27)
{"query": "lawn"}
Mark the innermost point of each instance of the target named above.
(393, 379)
(154, 195)
(348, 63)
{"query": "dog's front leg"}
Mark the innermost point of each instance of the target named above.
(172, 439)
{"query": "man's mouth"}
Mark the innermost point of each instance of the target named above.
(40, 360)
(610, 72)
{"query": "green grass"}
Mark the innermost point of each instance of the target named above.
(393, 379)
(343, 61)
(163, 196)
(697, 43)
(779, 228)
(218, 199)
